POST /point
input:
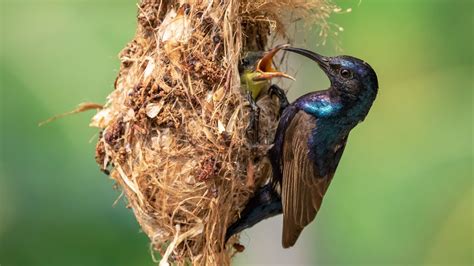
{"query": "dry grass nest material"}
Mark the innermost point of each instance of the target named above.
(173, 132)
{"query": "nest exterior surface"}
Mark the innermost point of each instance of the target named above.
(173, 132)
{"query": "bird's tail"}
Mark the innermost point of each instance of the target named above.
(264, 204)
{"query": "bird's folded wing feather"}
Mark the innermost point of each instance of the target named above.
(302, 188)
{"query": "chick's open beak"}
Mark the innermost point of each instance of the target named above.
(265, 69)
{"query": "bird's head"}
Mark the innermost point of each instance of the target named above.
(256, 69)
(260, 62)
(249, 61)
(351, 77)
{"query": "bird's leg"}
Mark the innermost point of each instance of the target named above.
(252, 128)
(281, 95)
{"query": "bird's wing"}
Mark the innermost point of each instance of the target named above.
(302, 187)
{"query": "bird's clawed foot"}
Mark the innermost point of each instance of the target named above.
(274, 90)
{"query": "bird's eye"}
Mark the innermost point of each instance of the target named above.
(346, 73)
(245, 61)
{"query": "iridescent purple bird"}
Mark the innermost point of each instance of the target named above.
(309, 142)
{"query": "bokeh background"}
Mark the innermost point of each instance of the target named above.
(403, 193)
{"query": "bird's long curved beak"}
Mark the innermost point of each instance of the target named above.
(264, 66)
(322, 61)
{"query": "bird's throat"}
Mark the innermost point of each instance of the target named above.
(253, 86)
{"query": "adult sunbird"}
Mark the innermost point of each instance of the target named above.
(309, 142)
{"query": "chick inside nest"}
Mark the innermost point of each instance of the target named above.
(173, 132)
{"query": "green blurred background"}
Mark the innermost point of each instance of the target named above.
(403, 193)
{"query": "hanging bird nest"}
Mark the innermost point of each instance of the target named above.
(173, 132)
